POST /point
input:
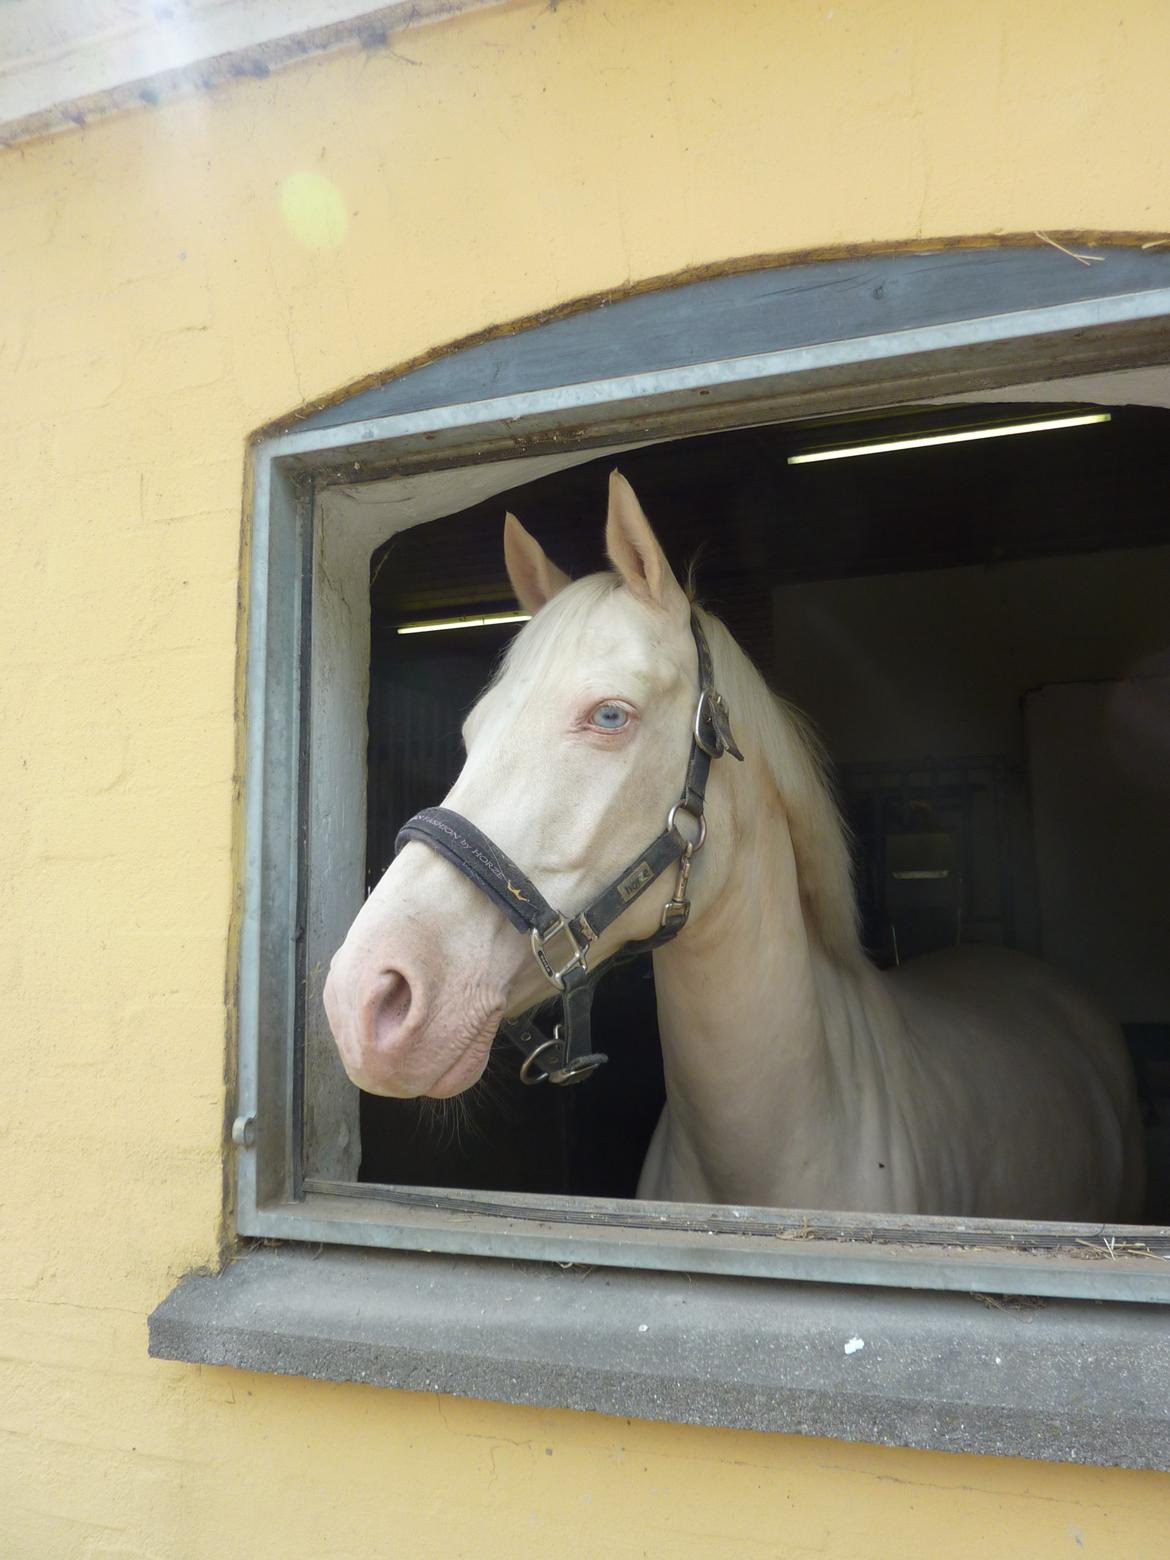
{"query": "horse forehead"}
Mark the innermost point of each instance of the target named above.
(618, 649)
(620, 664)
(620, 639)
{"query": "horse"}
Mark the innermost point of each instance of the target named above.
(976, 1082)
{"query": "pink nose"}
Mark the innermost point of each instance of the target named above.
(385, 1013)
(374, 1023)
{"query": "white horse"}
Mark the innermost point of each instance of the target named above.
(976, 1082)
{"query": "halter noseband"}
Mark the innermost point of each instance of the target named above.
(561, 943)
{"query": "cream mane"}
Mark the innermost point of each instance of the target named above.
(799, 766)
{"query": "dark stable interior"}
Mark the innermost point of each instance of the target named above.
(953, 618)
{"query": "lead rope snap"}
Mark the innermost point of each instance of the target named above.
(676, 909)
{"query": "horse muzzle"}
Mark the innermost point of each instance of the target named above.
(400, 1036)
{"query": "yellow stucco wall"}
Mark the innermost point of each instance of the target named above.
(164, 291)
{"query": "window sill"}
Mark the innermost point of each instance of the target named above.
(1065, 1381)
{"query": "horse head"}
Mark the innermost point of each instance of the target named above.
(575, 753)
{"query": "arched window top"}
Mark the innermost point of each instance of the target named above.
(777, 309)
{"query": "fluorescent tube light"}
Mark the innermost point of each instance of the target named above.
(490, 621)
(961, 436)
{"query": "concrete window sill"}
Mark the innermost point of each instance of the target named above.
(1069, 1381)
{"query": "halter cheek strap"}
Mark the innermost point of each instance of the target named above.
(561, 943)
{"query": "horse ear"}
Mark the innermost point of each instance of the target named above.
(535, 577)
(636, 554)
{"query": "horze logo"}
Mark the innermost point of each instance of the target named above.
(634, 882)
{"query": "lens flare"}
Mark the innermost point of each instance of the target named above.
(314, 210)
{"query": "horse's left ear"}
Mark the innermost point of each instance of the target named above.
(636, 553)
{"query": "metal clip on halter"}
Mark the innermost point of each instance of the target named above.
(677, 909)
(565, 1058)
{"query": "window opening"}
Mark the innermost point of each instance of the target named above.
(740, 352)
(930, 609)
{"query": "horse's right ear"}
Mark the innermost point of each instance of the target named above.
(636, 553)
(535, 577)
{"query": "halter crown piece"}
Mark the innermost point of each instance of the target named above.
(561, 943)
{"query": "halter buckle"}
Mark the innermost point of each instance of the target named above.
(706, 732)
(713, 726)
(577, 961)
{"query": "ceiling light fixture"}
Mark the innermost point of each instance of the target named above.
(960, 436)
(489, 621)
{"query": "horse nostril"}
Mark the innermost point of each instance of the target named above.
(389, 1008)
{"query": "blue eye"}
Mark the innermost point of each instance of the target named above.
(609, 717)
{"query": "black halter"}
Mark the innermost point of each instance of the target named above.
(561, 943)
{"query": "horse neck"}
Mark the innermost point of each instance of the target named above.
(749, 1006)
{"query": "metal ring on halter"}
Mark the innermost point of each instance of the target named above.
(525, 1076)
(699, 819)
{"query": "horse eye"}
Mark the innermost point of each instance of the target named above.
(609, 717)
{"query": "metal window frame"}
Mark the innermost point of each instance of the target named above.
(1097, 334)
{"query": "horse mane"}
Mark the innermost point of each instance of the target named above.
(800, 768)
